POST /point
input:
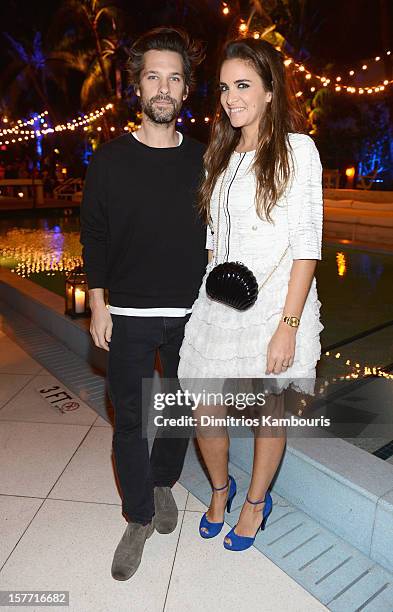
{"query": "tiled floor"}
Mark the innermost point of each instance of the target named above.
(60, 519)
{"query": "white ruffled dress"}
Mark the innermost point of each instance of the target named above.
(221, 342)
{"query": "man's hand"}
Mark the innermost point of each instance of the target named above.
(101, 320)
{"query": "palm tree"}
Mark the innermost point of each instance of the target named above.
(115, 52)
(291, 20)
(94, 83)
(32, 69)
(96, 18)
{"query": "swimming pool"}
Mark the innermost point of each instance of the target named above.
(354, 287)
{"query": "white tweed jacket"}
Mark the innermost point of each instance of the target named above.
(302, 202)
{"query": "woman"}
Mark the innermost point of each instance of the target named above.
(262, 198)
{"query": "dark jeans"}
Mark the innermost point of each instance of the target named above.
(133, 347)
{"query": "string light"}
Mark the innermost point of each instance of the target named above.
(351, 89)
(225, 8)
(61, 127)
(371, 89)
(84, 121)
(16, 129)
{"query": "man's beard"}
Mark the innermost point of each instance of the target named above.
(165, 114)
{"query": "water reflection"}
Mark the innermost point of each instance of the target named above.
(370, 268)
(29, 251)
(341, 264)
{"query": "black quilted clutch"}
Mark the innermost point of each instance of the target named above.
(233, 284)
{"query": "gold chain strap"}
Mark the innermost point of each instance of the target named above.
(218, 215)
(274, 269)
(218, 233)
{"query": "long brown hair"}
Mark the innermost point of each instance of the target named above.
(272, 164)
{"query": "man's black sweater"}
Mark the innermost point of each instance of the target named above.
(141, 234)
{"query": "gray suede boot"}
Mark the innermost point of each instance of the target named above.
(128, 553)
(166, 512)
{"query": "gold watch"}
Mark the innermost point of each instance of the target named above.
(292, 321)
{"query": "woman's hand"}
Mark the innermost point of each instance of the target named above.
(281, 349)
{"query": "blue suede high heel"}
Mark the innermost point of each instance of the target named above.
(233, 541)
(211, 530)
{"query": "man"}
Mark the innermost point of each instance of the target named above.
(143, 240)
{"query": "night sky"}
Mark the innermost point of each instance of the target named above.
(337, 36)
(351, 30)
(345, 30)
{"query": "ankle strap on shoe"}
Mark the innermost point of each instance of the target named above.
(221, 488)
(254, 503)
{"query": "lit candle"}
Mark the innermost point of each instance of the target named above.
(79, 300)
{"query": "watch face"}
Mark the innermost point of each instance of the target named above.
(292, 321)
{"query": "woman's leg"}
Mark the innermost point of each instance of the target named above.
(213, 442)
(269, 445)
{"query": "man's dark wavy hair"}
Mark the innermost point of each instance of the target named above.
(191, 51)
